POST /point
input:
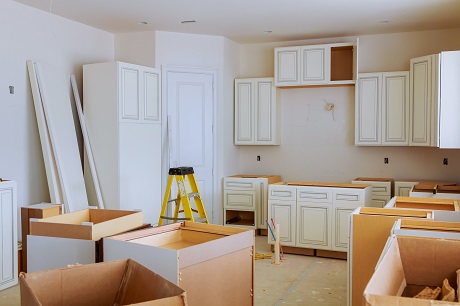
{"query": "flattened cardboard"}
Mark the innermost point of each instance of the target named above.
(123, 282)
(100, 223)
(36, 211)
(409, 265)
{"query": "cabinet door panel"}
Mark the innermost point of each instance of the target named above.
(395, 108)
(264, 112)
(287, 64)
(420, 101)
(313, 226)
(244, 129)
(8, 235)
(283, 213)
(315, 64)
(368, 110)
(340, 227)
(152, 100)
(130, 107)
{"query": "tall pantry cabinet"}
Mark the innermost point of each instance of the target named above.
(122, 107)
(8, 235)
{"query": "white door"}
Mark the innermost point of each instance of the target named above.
(189, 103)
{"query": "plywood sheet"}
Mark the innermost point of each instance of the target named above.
(54, 89)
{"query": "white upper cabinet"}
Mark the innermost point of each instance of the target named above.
(434, 96)
(316, 64)
(382, 109)
(257, 112)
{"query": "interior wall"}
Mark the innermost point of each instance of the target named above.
(318, 147)
(31, 34)
(136, 48)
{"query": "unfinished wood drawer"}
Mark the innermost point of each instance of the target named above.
(203, 259)
(424, 203)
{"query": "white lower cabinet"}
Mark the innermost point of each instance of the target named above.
(314, 217)
(8, 235)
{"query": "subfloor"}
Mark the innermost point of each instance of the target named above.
(298, 280)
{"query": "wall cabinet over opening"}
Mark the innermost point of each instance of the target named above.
(434, 96)
(257, 112)
(328, 64)
(382, 109)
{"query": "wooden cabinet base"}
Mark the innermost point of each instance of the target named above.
(312, 252)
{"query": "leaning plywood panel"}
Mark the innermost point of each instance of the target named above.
(54, 185)
(54, 90)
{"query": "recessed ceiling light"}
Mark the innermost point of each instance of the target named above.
(142, 22)
(268, 31)
(188, 21)
(384, 21)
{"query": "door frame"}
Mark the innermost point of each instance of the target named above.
(165, 70)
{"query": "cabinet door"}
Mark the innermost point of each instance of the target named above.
(340, 224)
(244, 112)
(315, 64)
(287, 66)
(420, 101)
(283, 213)
(314, 225)
(395, 108)
(403, 189)
(151, 95)
(130, 106)
(8, 236)
(368, 109)
(265, 112)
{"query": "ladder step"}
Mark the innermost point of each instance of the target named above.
(172, 218)
(201, 220)
(193, 194)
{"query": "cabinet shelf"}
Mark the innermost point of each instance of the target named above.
(241, 217)
(342, 63)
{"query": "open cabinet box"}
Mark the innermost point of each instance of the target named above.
(423, 203)
(408, 266)
(213, 263)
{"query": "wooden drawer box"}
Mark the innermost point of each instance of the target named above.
(214, 264)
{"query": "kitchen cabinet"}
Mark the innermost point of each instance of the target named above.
(315, 216)
(245, 200)
(382, 109)
(123, 118)
(381, 189)
(404, 187)
(326, 64)
(257, 112)
(8, 235)
(434, 95)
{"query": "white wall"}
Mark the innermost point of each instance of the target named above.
(31, 34)
(315, 147)
(136, 48)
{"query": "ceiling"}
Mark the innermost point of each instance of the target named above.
(257, 21)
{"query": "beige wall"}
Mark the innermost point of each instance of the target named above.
(317, 147)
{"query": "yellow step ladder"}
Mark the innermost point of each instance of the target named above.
(183, 197)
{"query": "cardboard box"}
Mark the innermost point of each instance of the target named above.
(124, 282)
(213, 263)
(73, 238)
(34, 211)
(408, 266)
(369, 231)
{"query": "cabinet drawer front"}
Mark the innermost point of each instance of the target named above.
(241, 184)
(314, 194)
(240, 199)
(378, 188)
(349, 196)
(379, 200)
(279, 192)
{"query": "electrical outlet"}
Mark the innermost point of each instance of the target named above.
(385, 160)
(445, 161)
(258, 157)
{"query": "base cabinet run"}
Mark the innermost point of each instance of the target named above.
(315, 217)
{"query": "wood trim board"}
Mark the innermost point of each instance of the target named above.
(89, 152)
(52, 175)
